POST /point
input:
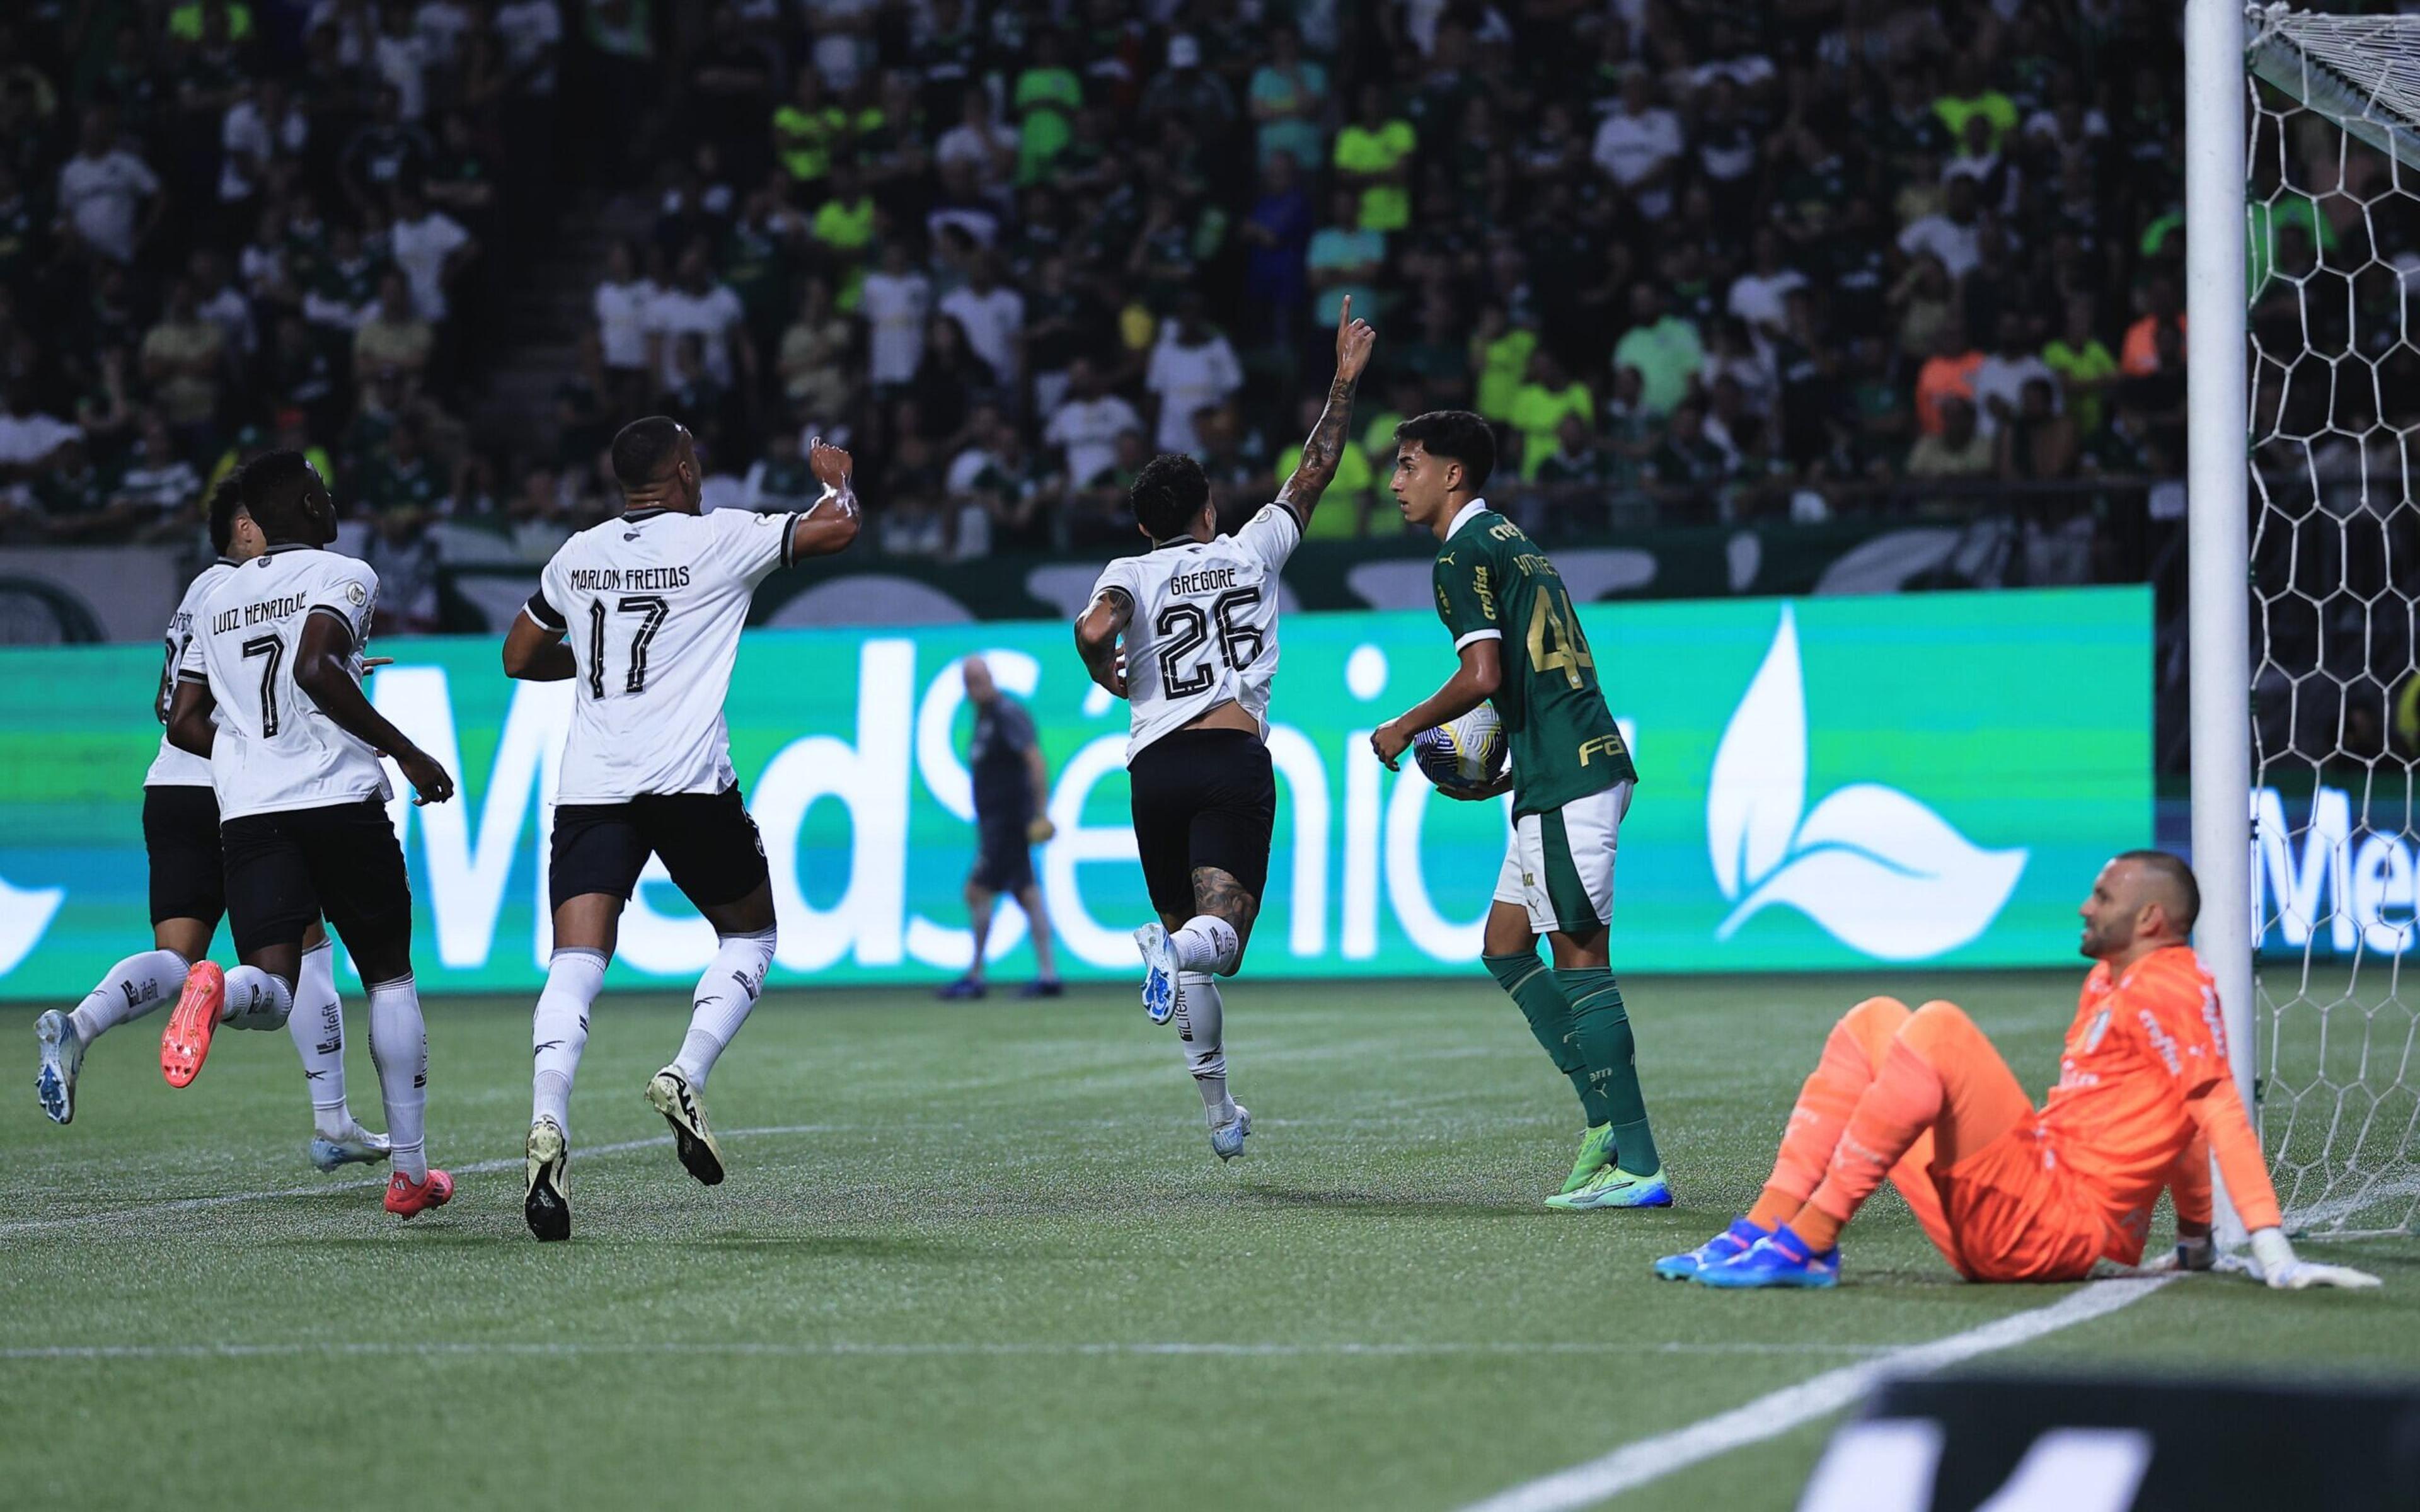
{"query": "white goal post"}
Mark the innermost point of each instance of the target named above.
(2302, 362)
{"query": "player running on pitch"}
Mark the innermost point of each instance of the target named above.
(1571, 780)
(1197, 617)
(269, 690)
(2005, 1192)
(642, 614)
(180, 839)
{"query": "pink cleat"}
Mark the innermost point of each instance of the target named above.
(186, 1041)
(408, 1198)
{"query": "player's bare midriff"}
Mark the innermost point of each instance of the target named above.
(1228, 716)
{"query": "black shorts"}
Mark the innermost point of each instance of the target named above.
(709, 842)
(1004, 858)
(181, 836)
(1203, 797)
(287, 871)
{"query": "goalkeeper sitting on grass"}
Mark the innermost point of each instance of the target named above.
(2004, 1192)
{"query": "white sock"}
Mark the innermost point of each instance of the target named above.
(399, 1049)
(256, 1001)
(559, 1030)
(1200, 1024)
(318, 1028)
(1206, 943)
(133, 987)
(720, 1004)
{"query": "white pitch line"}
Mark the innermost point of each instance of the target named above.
(745, 1349)
(1775, 1413)
(483, 1167)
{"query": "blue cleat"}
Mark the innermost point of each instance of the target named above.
(966, 989)
(1730, 1244)
(1227, 1140)
(1781, 1258)
(61, 1057)
(1159, 989)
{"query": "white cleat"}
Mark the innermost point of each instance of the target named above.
(1161, 992)
(62, 1057)
(1227, 1140)
(546, 1204)
(356, 1146)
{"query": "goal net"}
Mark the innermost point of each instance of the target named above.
(2333, 264)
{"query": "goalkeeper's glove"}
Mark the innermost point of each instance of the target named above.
(2274, 1262)
(2193, 1252)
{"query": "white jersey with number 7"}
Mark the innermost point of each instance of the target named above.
(274, 750)
(1204, 630)
(652, 603)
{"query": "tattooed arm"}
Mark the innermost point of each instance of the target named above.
(1325, 447)
(1096, 636)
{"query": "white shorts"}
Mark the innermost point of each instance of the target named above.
(1560, 866)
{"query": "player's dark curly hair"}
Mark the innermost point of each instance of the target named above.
(224, 501)
(1168, 493)
(1456, 435)
(274, 486)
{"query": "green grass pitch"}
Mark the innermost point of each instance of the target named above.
(980, 1256)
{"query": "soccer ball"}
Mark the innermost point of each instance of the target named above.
(1467, 752)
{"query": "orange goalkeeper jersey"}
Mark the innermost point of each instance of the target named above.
(2143, 1078)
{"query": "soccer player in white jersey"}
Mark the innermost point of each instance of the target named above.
(1188, 634)
(180, 839)
(270, 691)
(642, 614)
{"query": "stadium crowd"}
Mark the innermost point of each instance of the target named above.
(1699, 263)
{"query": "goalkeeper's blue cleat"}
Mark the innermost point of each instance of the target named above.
(1159, 989)
(61, 1058)
(1731, 1243)
(1781, 1258)
(1227, 1140)
(1614, 1187)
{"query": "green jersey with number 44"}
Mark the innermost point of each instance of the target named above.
(1493, 583)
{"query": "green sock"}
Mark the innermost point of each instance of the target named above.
(1601, 1030)
(1532, 986)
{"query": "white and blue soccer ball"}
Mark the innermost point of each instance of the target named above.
(1467, 752)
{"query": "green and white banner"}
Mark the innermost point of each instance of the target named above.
(1825, 784)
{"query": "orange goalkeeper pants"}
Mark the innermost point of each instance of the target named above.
(1923, 1099)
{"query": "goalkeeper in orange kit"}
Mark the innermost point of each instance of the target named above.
(2004, 1192)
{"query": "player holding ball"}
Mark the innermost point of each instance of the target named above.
(1570, 779)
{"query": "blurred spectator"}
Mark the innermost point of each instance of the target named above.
(1958, 449)
(1638, 144)
(1344, 510)
(622, 302)
(1541, 405)
(2162, 312)
(430, 247)
(1344, 257)
(1086, 425)
(993, 316)
(2000, 379)
(781, 482)
(156, 490)
(1949, 372)
(1192, 368)
(698, 304)
(2037, 442)
(1288, 95)
(897, 302)
(815, 351)
(1373, 156)
(1951, 233)
(108, 196)
(2084, 366)
(395, 336)
(1662, 346)
(29, 439)
(184, 361)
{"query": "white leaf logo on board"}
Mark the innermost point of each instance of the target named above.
(1880, 871)
(25, 914)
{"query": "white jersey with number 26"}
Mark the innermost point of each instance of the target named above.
(174, 768)
(1204, 630)
(274, 750)
(652, 604)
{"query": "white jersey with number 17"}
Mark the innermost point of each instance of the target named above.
(1204, 630)
(275, 751)
(652, 604)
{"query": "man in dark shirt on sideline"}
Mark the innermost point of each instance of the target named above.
(1012, 788)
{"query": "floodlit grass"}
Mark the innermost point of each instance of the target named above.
(980, 1256)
